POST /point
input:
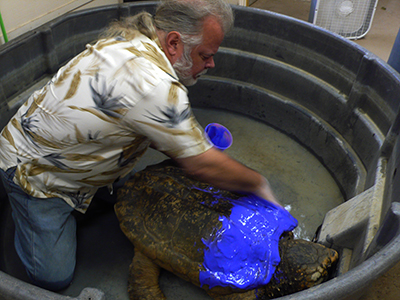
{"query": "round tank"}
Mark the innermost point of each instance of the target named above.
(333, 98)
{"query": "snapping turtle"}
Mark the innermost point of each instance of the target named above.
(169, 217)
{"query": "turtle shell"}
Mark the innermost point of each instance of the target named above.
(167, 215)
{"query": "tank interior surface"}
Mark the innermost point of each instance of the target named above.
(315, 113)
(379, 40)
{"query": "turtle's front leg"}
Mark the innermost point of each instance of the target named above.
(143, 279)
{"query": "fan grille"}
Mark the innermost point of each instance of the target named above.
(349, 18)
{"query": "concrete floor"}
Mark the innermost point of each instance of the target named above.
(379, 40)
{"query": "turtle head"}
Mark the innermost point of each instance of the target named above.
(304, 264)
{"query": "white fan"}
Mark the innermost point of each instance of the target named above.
(349, 18)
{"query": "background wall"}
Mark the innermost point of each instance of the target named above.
(20, 16)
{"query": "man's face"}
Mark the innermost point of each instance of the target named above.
(201, 56)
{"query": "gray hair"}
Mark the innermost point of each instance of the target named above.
(187, 16)
(183, 16)
(128, 27)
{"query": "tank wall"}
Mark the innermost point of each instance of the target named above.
(308, 92)
(287, 116)
(357, 88)
(393, 177)
(336, 99)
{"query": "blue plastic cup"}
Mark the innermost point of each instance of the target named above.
(219, 136)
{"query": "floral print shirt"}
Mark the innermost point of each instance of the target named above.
(96, 117)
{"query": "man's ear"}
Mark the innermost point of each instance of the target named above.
(174, 43)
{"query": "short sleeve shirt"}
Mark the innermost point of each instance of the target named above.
(96, 117)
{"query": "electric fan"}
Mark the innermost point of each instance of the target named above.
(349, 18)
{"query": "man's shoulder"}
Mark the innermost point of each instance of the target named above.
(143, 61)
(145, 48)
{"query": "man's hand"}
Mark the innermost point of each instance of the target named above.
(265, 192)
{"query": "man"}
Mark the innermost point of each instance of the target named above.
(87, 127)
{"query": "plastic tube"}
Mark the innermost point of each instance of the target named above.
(3, 29)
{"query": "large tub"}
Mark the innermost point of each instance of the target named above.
(334, 98)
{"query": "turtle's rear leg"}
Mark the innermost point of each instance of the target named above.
(143, 279)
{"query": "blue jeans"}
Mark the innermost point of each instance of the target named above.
(45, 235)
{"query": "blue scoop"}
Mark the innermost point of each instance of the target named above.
(219, 136)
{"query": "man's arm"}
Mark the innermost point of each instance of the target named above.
(218, 169)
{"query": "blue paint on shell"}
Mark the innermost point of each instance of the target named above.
(245, 251)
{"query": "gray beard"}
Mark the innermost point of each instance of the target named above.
(183, 69)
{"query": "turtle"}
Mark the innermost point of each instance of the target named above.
(169, 217)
